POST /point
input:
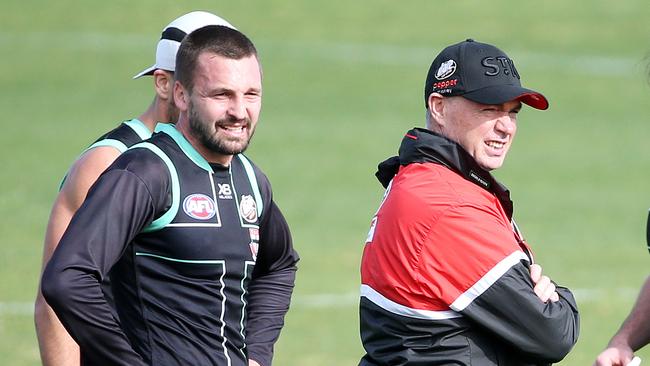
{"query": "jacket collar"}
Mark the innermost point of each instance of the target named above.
(420, 145)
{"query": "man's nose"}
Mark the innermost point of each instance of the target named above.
(506, 124)
(237, 108)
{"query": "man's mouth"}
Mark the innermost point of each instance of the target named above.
(233, 130)
(495, 144)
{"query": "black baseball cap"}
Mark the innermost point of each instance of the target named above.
(479, 72)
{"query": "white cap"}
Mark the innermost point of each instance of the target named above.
(174, 33)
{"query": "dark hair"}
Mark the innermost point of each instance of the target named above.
(215, 39)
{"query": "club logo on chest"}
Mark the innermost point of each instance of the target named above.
(199, 206)
(248, 208)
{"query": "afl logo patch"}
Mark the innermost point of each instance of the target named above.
(199, 206)
(446, 69)
(248, 208)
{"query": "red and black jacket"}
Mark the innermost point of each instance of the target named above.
(445, 273)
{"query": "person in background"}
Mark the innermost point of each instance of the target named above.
(201, 260)
(633, 334)
(57, 348)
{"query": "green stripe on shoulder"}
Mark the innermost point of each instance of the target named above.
(119, 145)
(168, 216)
(185, 145)
(253, 180)
(116, 144)
(139, 128)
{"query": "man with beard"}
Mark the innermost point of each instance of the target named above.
(56, 346)
(201, 259)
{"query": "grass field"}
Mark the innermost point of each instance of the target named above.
(343, 81)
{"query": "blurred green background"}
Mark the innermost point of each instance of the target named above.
(343, 81)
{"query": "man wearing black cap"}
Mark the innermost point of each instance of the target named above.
(447, 278)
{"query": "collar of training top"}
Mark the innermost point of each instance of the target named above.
(420, 145)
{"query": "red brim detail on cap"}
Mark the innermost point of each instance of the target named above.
(534, 100)
(499, 94)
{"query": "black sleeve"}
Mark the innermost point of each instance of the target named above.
(271, 287)
(509, 309)
(117, 207)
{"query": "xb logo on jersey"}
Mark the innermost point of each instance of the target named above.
(199, 206)
(225, 192)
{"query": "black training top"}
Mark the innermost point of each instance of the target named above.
(202, 261)
(127, 134)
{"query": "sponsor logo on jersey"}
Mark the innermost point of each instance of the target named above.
(225, 192)
(446, 69)
(199, 206)
(371, 232)
(480, 180)
(248, 208)
(255, 247)
(255, 234)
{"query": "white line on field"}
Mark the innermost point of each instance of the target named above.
(342, 52)
(350, 299)
(16, 308)
(325, 300)
(397, 55)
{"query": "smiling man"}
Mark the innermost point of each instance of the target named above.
(447, 278)
(200, 257)
(56, 346)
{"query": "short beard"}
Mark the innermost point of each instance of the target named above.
(211, 142)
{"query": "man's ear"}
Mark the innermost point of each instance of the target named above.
(436, 108)
(163, 83)
(181, 97)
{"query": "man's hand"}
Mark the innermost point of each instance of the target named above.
(544, 288)
(619, 355)
(253, 363)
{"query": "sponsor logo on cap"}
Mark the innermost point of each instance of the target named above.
(446, 69)
(497, 65)
(248, 208)
(199, 206)
(444, 86)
